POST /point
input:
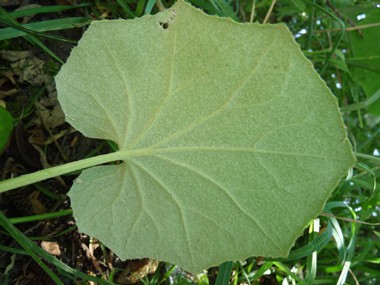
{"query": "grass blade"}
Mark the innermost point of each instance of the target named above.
(149, 6)
(34, 249)
(315, 245)
(46, 9)
(285, 269)
(260, 272)
(51, 25)
(340, 22)
(125, 8)
(40, 217)
(224, 274)
(23, 241)
(362, 104)
(311, 267)
(29, 37)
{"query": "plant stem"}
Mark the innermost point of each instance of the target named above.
(349, 29)
(269, 12)
(56, 171)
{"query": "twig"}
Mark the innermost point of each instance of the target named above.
(350, 220)
(348, 29)
(253, 11)
(269, 12)
(361, 8)
(160, 7)
(336, 68)
(353, 276)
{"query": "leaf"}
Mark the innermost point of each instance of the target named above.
(6, 126)
(230, 141)
(308, 249)
(367, 53)
(224, 274)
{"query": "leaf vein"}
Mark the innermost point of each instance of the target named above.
(159, 183)
(125, 87)
(101, 106)
(168, 96)
(221, 188)
(150, 152)
(138, 190)
(221, 109)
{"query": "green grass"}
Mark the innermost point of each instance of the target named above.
(347, 252)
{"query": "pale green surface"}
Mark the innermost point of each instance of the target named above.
(231, 142)
(368, 50)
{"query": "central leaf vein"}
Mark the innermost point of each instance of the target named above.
(166, 98)
(148, 152)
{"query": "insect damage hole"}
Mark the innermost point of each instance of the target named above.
(164, 25)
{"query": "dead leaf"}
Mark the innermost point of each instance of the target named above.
(32, 74)
(8, 89)
(74, 142)
(12, 55)
(8, 74)
(37, 137)
(51, 247)
(4, 94)
(89, 251)
(50, 110)
(27, 18)
(38, 208)
(140, 268)
(52, 117)
(61, 134)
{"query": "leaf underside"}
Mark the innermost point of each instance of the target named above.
(230, 141)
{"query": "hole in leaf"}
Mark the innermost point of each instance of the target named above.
(163, 25)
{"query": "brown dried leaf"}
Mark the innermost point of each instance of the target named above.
(51, 247)
(8, 90)
(4, 94)
(37, 137)
(12, 55)
(32, 74)
(140, 268)
(38, 208)
(50, 110)
(52, 117)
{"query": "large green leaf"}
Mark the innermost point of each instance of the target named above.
(6, 126)
(367, 54)
(230, 141)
